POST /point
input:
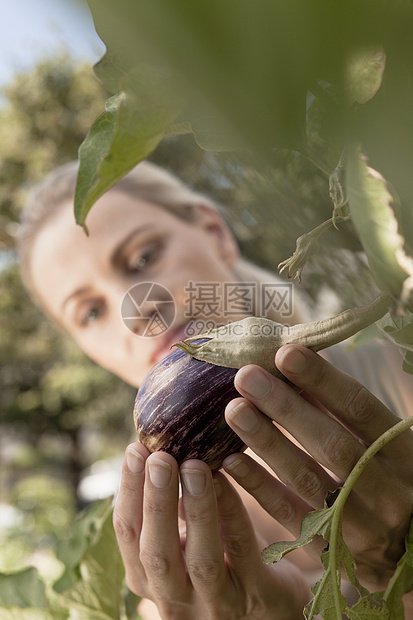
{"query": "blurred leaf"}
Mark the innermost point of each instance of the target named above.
(373, 210)
(364, 336)
(135, 121)
(16, 613)
(92, 587)
(251, 63)
(97, 595)
(131, 604)
(364, 73)
(212, 134)
(22, 589)
(86, 530)
(399, 330)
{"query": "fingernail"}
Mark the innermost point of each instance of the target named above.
(135, 461)
(244, 417)
(194, 481)
(293, 361)
(239, 468)
(160, 473)
(254, 382)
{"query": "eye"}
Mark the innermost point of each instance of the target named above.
(143, 261)
(145, 258)
(92, 314)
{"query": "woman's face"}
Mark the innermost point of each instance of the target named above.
(83, 280)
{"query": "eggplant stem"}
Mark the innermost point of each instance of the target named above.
(322, 334)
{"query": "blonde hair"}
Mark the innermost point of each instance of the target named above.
(146, 181)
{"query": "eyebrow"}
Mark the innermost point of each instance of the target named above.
(117, 253)
(114, 259)
(77, 293)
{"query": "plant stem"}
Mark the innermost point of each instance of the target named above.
(318, 594)
(364, 460)
(321, 228)
(361, 464)
(311, 158)
(333, 563)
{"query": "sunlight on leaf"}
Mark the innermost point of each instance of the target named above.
(364, 73)
(372, 208)
(134, 123)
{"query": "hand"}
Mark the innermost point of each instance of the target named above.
(333, 420)
(214, 570)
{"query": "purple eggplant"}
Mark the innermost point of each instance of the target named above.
(180, 409)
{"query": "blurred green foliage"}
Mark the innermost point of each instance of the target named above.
(60, 412)
(85, 587)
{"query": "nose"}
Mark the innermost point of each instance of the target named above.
(148, 309)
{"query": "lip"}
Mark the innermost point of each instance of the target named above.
(164, 347)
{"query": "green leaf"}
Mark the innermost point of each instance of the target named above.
(86, 530)
(135, 121)
(212, 134)
(22, 589)
(97, 594)
(17, 613)
(399, 330)
(323, 601)
(372, 207)
(345, 558)
(367, 608)
(230, 54)
(364, 336)
(327, 604)
(402, 580)
(131, 604)
(313, 524)
(364, 73)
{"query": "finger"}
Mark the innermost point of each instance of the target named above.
(160, 549)
(328, 442)
(240, 543)
(294, 467)
(345, 397)
(243, 551)
(274, 497)
(127, 515)
(204, 549)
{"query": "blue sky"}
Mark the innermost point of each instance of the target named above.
(33, 29)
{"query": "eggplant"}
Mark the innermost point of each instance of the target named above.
(180, 409)
(180, 405)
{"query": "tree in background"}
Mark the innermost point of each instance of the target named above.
(60, 411)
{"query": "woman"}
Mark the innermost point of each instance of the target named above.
(152, 228)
